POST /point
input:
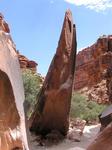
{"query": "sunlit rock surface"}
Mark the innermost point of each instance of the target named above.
(12, 124)
(53, 102)
(25, 63)
(94, 70)
(103, 140)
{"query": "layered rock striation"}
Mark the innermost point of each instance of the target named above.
(25, 63)
(53, 102)
(12, 121)
(93, 69)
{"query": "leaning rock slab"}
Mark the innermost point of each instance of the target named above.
(54, 99)
(12, 122)
(103, 140)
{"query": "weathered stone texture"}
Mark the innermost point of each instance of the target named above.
(54, 99)
(25, 63)
(103, 140)
(12, 123)
(92, 64)
(3, 25)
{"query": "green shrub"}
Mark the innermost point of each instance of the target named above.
(32, 83)
(87, 110)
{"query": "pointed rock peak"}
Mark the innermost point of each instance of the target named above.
(65, 42)
(53, 103)
(68, 13)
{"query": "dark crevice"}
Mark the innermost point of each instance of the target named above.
(70, 27)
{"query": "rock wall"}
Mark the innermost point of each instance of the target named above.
(53, 102)
(93, 66)
(25, 63)
(12, 121)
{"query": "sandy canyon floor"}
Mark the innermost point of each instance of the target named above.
(90, 133)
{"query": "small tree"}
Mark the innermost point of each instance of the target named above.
(32, 84)
(84, 109)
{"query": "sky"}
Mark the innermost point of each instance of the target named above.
(36, 25)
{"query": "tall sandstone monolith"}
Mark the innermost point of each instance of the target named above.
(12, 122)
(53, 102)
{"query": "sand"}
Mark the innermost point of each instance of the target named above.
(90, 133)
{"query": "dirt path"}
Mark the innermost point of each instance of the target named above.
(89, 134)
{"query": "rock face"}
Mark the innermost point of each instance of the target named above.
(54, 99)
(12, 124)
(93, 69)
(103, 141)
(25, 63)
(76, 129)
(3, 25)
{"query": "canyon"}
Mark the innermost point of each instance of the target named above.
(93, 77)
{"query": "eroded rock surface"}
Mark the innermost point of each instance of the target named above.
(3, 25)
(93, 69)
(54, 99)
(25, 63)
(12, 122)
(76, 129)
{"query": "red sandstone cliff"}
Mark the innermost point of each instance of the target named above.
(93, 69)
(25, 63)
(12, 119)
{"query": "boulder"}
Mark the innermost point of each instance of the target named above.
(12, 120)
(53, 102)
(76, 129)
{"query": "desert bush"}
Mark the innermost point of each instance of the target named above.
(32, 83)
(84, 109)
